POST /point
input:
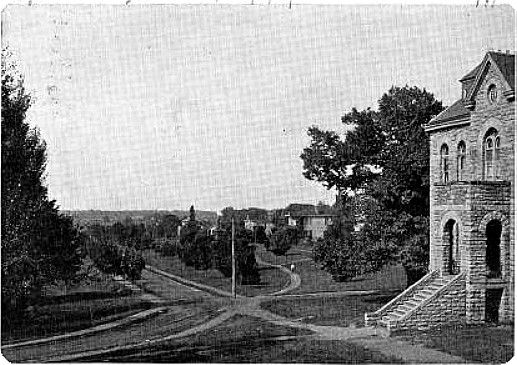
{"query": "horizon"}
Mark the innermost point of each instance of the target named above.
(172, 106)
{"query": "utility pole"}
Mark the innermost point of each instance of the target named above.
(234, 294)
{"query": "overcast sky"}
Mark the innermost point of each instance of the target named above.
(161, 107)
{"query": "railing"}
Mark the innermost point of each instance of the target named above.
(434, 295)
(373, 317)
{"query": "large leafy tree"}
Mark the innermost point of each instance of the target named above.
(39, 245)
(384, 163)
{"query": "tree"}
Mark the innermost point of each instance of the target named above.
(260, 235)
(385, 157)
(283, 239)
(192, 214)
(344, 165)
(39, 245)
(169, 225)
(246, 264)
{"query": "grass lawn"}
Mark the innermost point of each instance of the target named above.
(245, 339)
(177, 318)
(329, 311)
(485, 344)
(314, 279)
(97, 299)
(272, 279)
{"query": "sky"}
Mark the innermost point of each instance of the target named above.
(165, 106)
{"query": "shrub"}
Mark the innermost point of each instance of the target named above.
(195, 247)
(283, 239)
(170, 248)
(246, 264)
(132, 263)
(116, 259)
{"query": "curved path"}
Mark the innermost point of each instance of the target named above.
(250, 306)
(88, 331)
(295, 280)
(191, 331)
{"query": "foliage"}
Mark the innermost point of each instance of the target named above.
(113, 258)
(385, 159)
(170, 248)
(339, 251)
(260, 235)
(246, 264)
(132, 263)
(168, 226)
(39, 245)
(195, 246)
(283, 239)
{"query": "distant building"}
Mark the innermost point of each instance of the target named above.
(249, 224)
(291, 220)
(313, 226)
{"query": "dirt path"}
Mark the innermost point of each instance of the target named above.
(295, 280)
(135, 347)
(250, 306)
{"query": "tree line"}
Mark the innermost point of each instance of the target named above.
(39, 245)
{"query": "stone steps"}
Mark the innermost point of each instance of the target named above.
(415, 300)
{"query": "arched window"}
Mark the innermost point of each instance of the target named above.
(491, 146)
(451, 238)
(462, 158)
(444, 163)
(493, 248)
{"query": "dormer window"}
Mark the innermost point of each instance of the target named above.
(492, 94)
(444, 163)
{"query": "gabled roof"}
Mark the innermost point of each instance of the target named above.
(456, 111)
(504, 62)
(458, 114)
(472, 74)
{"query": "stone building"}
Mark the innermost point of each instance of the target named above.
(472, 220)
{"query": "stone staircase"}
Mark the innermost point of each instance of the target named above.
(399, 313)
(417, 298)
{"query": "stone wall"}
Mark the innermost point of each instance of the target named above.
(372, 317)
(445, 308)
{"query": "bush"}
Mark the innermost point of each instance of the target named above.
(283, 239)
(345, 255)
(195, 247)
(116, 259)
(170, 248)
(246, 264)
(131, 264)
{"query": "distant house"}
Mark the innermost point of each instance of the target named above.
(249, 224)
(313, 226)
(291, 220)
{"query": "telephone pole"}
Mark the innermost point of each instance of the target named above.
(234, 293)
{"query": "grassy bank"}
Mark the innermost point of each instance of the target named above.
(484, 344)
(328, 311)
(94, 300)
(244, 339)
(272, 279)
(315, 279)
